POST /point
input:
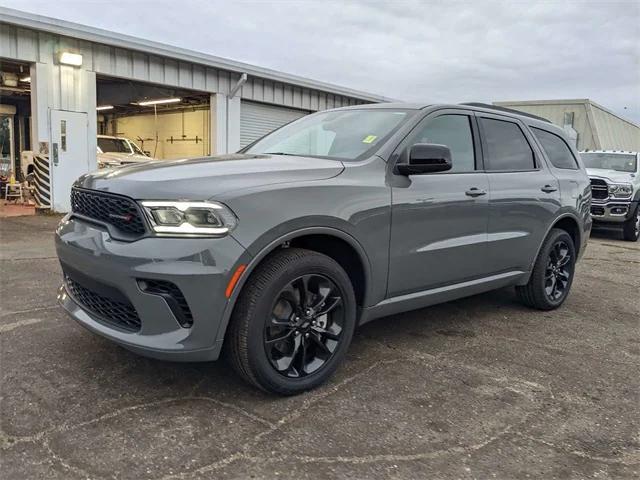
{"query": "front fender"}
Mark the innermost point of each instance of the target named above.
(269, 242)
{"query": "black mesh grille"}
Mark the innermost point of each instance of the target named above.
(173, 295)
(598, 211)
(121, 212)
(599, 189)
(120, 314)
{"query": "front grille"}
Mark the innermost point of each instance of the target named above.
(172, 295)
(119, 313)
(599, 189)
(120, 212)
(597, 211)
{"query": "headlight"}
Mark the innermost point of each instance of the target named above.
(621, 190)
(190, 218)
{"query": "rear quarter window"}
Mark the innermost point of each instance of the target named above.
(556, 149)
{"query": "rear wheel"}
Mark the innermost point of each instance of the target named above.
(631, 228)
(552, 274)
(293, 322)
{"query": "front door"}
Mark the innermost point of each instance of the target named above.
(68, 155)
(439, 220)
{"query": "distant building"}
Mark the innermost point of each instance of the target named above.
(593, 126)
(62, 84)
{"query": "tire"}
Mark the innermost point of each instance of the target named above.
(631, 228)
(549, 284)
(272, 334)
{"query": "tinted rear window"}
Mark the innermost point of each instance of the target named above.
(556, 149)
(507, 147)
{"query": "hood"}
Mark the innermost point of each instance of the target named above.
(204, 178)
(119, 157)
(613, 176)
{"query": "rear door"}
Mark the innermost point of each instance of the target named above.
(524, 194)
(439, 220)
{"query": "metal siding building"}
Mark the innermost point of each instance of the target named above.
(241, 97)
(597, 128)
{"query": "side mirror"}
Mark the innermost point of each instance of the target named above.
(426, 158)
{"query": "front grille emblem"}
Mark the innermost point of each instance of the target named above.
(125, 218)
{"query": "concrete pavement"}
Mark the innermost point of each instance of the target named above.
(477, 388)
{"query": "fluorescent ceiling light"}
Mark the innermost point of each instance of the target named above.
(158, 102)
(104, 107)
(25, 79)
(69, 58)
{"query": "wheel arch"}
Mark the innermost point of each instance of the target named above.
(330, 241)
(568, 222)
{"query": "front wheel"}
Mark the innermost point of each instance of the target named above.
(631, 228)
(293, 322)
(552, 274)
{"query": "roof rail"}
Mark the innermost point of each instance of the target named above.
(505, 109)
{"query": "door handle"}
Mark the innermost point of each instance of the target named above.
(475, 192)
(548, 189)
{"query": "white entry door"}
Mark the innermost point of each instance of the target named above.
(68, 155)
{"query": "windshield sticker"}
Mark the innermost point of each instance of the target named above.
(369, 138)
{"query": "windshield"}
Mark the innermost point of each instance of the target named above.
(342, 134)
(136, 149)
(610, 161)
(113, 145)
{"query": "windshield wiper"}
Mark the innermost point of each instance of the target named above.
(280, 153)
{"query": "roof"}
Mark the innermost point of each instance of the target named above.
(617, 152)
(570, 101)
(479, 107)
(97, 35)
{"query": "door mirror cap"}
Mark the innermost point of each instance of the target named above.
(426, 158)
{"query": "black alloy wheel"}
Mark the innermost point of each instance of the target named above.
(293, 322)
(305, 326)
(552, 275)
(559, 271)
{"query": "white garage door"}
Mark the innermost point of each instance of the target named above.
(257, 119)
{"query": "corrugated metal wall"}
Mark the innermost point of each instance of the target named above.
(596, 127)
(33, 46)
(614, 133)
(256, 120)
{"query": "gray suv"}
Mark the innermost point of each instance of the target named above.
(274, 255)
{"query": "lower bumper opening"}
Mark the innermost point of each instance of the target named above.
(104, 302)
(172, 295)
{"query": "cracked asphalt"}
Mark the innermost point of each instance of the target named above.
(477, 388)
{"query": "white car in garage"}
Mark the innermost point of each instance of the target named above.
(117, 151)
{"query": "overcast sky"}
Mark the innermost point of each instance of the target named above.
(410, 50)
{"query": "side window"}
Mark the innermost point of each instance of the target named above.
(556, 149)
(454, 131)
(507, 147)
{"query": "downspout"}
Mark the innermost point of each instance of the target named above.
(232, 93)
(241, 81)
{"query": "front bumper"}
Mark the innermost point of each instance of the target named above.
(613, 211)
(200, 268)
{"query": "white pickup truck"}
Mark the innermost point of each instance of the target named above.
(117, 151)
(615, 189)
